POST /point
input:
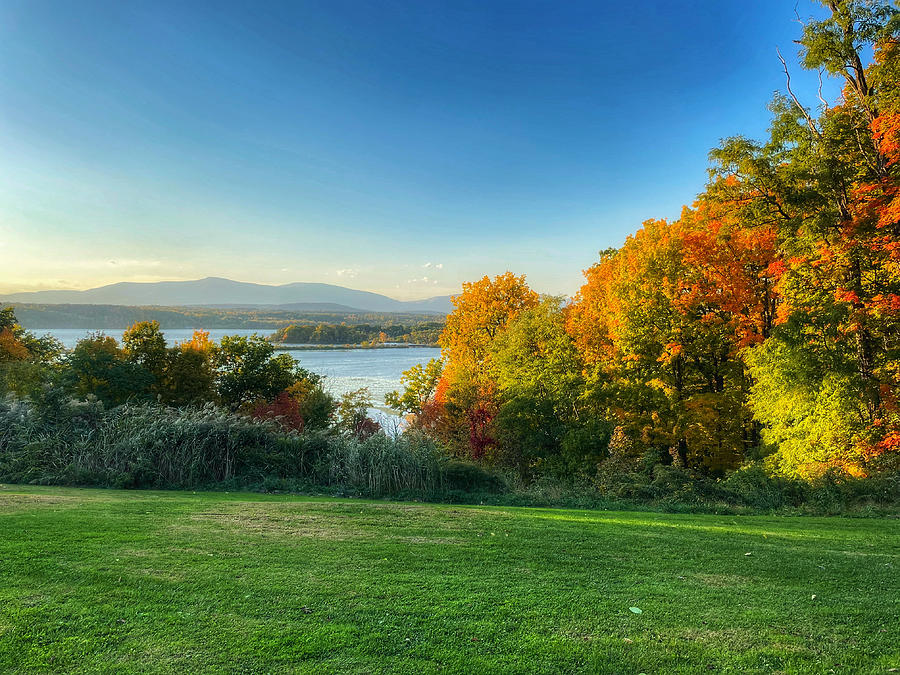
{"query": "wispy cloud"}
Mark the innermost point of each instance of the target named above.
(133, 262)
(431, 265)
(348, 273)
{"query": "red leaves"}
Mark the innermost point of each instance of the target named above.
(480, 418)
(284, 410)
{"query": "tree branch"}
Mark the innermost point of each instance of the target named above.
(809, 120)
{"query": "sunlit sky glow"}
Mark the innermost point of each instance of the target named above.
(398, 147)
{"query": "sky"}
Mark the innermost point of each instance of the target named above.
(397, 147)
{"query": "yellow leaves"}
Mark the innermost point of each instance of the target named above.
(481, 312)
(199, 342)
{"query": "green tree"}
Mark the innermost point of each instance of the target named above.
(98, 367)
(189, 376)
(543, 421)
(419, 384)
(145, 345)
(248, 370)
(353, 413)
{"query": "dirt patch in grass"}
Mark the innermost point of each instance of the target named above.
(427, 540)
(282, 522)
(723, 580)
(737, 640)
(20, 502)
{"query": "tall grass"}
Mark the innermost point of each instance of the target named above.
(57, 440)
(71, 442)
(382, 465)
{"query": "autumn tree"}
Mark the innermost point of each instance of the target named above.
(661, 323)
(27, 362)
(826, 181)
(189, 376)
(467, 389)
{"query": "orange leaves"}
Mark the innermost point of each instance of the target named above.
(199, 342)
(593, 318)
(843, 295)
(775, 269)
(481, 312)
(705, 267)
(11, 348)
(886, 132)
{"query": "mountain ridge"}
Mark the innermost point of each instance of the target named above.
(222, 292)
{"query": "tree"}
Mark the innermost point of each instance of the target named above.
(544, 424)
(189, 375)
(353, 414)
(248, 370)
(660, 323)
(98, 367)
(145, 345)
(466, 401)
(480, 314)
(18, 344)
(315, 405)
(419, 384)
(827, 184)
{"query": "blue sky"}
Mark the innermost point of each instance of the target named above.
(400, 147)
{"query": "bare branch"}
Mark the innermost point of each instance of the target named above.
(809, 120)
(821, 98)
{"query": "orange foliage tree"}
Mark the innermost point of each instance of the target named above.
(465, 398)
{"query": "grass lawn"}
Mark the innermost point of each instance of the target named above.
(115, 581)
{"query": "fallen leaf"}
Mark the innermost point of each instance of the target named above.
(636, 610)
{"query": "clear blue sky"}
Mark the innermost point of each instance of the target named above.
(369, 144)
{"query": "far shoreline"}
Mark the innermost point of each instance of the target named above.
(347, 347)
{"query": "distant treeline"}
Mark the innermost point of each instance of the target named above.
(426, 332)
(37, 317)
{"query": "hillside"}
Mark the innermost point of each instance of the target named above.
(219, 292)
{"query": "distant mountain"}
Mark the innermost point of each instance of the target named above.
(218, 292)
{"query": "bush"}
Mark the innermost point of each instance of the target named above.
(752, 486)
(58, 440)
(470, 477)
(66, 441)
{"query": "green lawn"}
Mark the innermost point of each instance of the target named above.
(113, 581)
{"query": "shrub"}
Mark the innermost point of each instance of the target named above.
(470, 477)
(60, 440)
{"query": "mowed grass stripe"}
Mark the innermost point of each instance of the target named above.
(103, 581)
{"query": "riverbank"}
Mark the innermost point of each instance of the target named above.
(312, 347)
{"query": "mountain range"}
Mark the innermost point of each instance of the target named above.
(225, 293)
